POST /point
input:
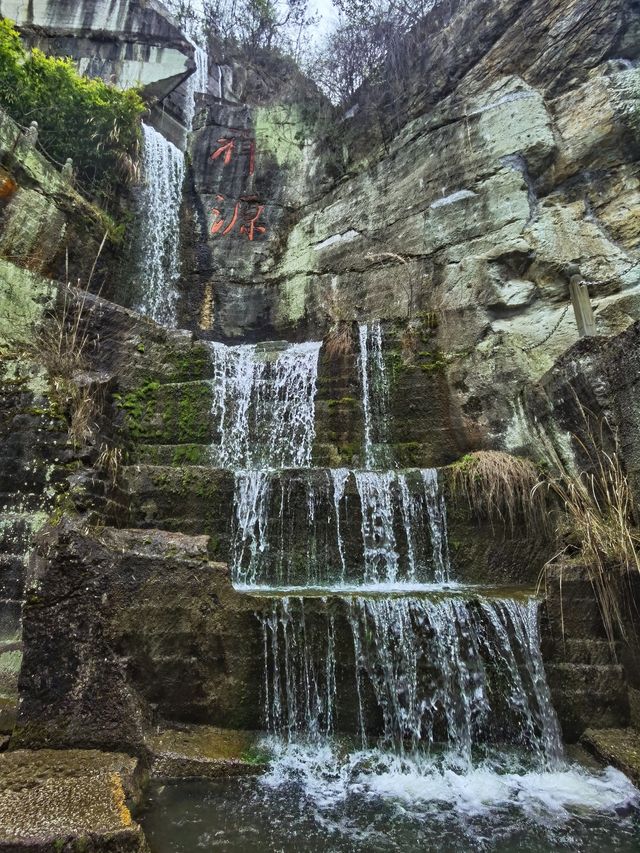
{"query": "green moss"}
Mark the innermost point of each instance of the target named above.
(139, 406)
(191, 364)
(188, 454)
(255, 755)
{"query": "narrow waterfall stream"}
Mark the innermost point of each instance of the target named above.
(159, 256)
(402, 709)
(163, 170)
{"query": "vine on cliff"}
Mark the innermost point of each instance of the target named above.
(94, 124)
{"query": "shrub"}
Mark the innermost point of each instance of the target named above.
(598, 528)
(95, 124)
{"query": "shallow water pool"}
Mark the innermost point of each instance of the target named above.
(324, 799)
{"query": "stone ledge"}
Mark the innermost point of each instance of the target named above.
(68, 800)
(203, 752)
(619, 747)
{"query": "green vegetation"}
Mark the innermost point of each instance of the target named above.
(95, 124)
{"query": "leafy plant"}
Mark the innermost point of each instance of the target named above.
(96, 125)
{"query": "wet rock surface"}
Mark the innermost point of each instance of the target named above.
(619, 747)
(203, 752)
(69, 801)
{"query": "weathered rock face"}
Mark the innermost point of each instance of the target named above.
(125, 625)
(127, 42)
(524, 164)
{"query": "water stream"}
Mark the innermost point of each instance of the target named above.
(163, 169)
(263, 404)
(159, 255)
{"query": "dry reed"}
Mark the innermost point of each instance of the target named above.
(502, 488)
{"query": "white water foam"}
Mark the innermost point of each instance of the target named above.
(329, 774)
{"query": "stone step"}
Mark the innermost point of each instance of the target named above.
(173, 454)
(203, 752)
(590, 652)
(73, 800)
(619, 747)
(572, 676)
(192, 500)
(587, 696)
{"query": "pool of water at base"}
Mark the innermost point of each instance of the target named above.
(322, 798)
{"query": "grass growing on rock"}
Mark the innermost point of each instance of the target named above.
(597, 527)
(501, 488)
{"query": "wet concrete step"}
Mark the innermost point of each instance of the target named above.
(619, 747)
(588, 696)
(194, 500)
(583, 651)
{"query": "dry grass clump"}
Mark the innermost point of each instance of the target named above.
(59, 344)
(597, 526)
(503, 488)
(109, 461)
(339, 340)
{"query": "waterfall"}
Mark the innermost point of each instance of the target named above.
(197, 84)
(264, 405)
(159, 257)
(336, 527)
(375, 392)
(163, 167)
(467, 674)
(380, 552)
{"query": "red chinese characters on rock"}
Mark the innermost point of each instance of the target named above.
(239, 144)
(246, 212)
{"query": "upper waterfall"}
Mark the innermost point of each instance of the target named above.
(264, 398)
(159, 259)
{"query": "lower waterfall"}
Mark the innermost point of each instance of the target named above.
(420, 671)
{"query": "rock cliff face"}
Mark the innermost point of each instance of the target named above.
(474, 213)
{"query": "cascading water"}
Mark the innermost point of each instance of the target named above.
(197, 84)
(337, 528)
(264, 405)
(466, 674)
(401, 706)
(159, 257)
(375, 393)
(163, 168)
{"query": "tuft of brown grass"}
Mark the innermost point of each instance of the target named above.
(109, 461)
(60, 344)
(502, 488)
(339, 340)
